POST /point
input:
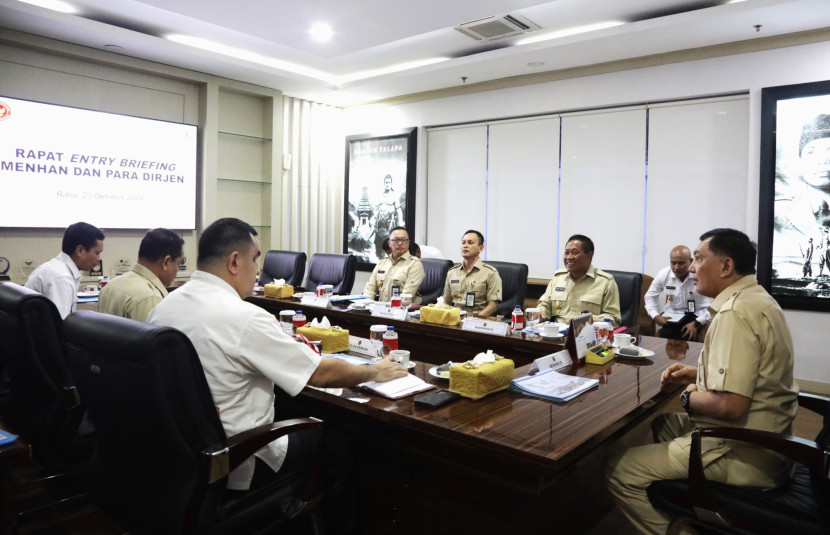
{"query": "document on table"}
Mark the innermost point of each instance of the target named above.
(398, 388)
(552, 385)
(674, 317)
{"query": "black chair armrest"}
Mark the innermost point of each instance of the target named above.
(806, 452)
(223, 459)
(815, 403)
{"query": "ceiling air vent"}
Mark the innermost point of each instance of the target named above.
(497, 27)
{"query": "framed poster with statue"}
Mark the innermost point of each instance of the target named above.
(380, 192)
(794, 217)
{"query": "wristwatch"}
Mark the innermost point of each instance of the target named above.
(685, 398)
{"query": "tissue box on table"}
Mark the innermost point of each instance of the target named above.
(334, 339)
(485, 374)
(440, 314)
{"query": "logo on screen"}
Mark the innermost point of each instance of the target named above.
(5, 111)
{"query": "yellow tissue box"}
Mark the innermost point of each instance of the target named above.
(443, 315)
(599, 355)
(477, 380)
(281, 290)
(335, 339)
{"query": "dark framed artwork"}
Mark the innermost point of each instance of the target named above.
(380, 192)
(794, 217)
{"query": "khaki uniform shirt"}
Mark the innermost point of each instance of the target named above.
(406, 273)
(596, 292)
(483, 280)
(132, 295)
(748, 350)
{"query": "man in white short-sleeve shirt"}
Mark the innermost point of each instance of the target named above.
(243, 350)
(58, 279)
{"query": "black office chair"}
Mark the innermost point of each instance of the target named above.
(162, 458)
(335, 269)
(435, 276)
(801, 506)
(43, 404)
(288, 265)
(513, 285)
(629, 285)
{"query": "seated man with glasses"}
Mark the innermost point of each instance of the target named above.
(400, 271)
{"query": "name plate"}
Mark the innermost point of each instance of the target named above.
(554, 361)
(315, 301)
(485, 326)
(380, 311)
(363, 346)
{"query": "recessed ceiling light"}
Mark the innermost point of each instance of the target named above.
(535, 63)
(321, 32)
(569, 32)
(54, 5)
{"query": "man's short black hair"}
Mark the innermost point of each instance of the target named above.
(587, 243)
(393, 229)
(385, 245)
(414, 248)
(82, 234)
(734, 244)
(221, 238)
(477, 233)
(158, 243)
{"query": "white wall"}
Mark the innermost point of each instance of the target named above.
(752, 71)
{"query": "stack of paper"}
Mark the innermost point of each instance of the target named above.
(552, 385)
(398, 388)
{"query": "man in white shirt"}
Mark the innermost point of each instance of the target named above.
(244, 351)
(134, 294)
(673, 302)
(58, 279)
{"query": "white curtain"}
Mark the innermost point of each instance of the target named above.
(312, 189)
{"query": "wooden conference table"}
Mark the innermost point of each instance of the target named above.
(426, 342)
(508, 463)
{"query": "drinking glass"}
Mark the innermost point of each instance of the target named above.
(406, 301)
(532, 317)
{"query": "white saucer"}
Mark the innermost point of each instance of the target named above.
(435, 373)
(554, 337)
(644, 353)
(410, 365)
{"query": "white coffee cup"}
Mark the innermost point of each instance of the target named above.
(549, 330)
(623, 340)
(90, 288)
(401, 356)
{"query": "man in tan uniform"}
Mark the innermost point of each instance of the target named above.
(580, 287)
(744, 378)
(400, 270)
(473, 285)
(134, 294)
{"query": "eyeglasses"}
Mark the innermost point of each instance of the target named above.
(398, 240)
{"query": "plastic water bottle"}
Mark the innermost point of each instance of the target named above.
(390, 340)
(609, 337)
(518, 322)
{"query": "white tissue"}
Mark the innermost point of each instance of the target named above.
(278, 282)
(322, 324)
(440, 302)
(483, 358)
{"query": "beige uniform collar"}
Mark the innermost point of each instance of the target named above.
(732, 290)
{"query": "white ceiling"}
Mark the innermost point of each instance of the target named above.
(376, 34)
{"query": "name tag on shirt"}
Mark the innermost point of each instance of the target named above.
(560, 288)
